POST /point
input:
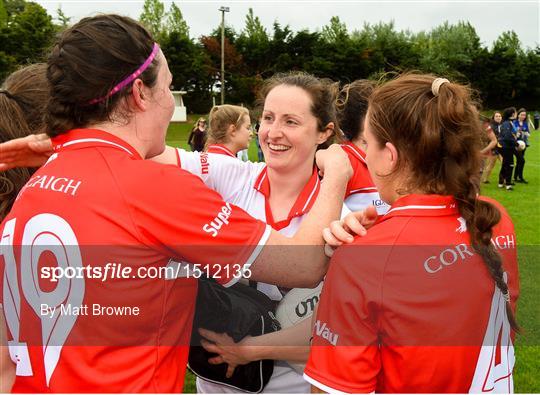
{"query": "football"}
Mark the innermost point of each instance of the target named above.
(297, 305)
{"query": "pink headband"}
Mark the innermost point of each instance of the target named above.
(129, 79)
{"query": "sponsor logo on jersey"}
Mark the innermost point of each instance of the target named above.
(221, 219)
(504, 242)
(462, 228)
(204, 163)
(447, 257)
(323, 331)
(379, 203)
(461, 252)
(52, 183)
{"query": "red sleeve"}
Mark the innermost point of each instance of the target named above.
(186, 220)
(345, 354)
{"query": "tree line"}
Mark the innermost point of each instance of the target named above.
(504, 73)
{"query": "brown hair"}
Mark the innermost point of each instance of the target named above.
(352, 106)
(323, 93)
(201, 119)
(220, 118)
(87, 61)
(23, 97)
(437, 138)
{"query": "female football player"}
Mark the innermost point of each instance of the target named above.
(425, 301)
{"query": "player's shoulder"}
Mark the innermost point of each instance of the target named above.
(142, 176)
(385, 231)
(368, 255)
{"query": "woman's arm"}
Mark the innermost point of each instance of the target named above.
(300, 262)
(290, 344)
(30, 151)
(492, 143)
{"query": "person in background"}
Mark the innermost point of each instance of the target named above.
(536, 120)
(507, 146)
(260, 155)
(23, 97)
(229, 130)
(197, 137)
(351, 105)
(522, 126)
(489, 151)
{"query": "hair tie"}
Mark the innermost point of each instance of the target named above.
(436, 85)
(506, 296)
(8, 95)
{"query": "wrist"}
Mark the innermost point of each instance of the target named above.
(248, 349)
(340, 174)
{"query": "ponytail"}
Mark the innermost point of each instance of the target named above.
(435, 126)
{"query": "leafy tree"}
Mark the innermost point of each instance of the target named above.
(189, 65)
(3, 14)
(176, 22)
(152, 17)
(254, 45)
(385, 49)
(450, 49)
(14, 7)
(335, 32)
(62, 18)
(279, 49)
(29, 34)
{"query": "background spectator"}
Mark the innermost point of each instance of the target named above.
(197, 137)
(522, 128)
(493, 154)
(507, 145)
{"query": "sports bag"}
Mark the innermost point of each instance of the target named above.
(239, 311)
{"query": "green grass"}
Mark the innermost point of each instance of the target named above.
(523, 205)
(178, 134)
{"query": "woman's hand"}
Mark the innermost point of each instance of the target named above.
(344, 230)
(229, 352)
(334, 161)
(30, 151)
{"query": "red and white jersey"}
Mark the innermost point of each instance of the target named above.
(361, 191)
(411, 307)
(220, 150)
(96, 205)
(246, 185)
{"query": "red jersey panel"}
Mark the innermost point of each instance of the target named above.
(220, 150)
(115, 320)
(411, 307)
(361, 191)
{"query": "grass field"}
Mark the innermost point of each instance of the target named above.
(523, 204)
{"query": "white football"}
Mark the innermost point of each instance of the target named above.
(297, 305)
(521, 145)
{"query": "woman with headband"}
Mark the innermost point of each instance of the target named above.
(98, 220)
(424, 302)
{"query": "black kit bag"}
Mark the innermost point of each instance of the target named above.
(239, 311)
